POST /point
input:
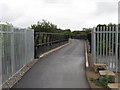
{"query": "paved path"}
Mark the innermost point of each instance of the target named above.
(64, 68)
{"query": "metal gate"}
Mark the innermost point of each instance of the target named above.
(105, 46)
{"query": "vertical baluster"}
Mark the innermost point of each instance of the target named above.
(116, 56)
(97, 42)
(94, 45)
(112, 48)
(109, 66)
(107, 44)
(104, 44)
(100, 44)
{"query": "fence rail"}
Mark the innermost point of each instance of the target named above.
(105, 46)
(48, 41)
(16, 50)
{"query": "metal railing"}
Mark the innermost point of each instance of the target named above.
(16, 50)
(105, 46)
(81, 37)
(47, 41)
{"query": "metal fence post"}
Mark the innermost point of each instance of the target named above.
(119, 51)
(1, 34)
(94, 45)
(12, 50)
(116, 51)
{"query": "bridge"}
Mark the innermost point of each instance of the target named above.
(31, 59)
(41, 60)
(64, 68)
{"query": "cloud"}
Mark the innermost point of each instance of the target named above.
(119, 13)
(106, 8)
(73, 14)
(8, 14)
(57, 1)
(106, 12)
(52, 1)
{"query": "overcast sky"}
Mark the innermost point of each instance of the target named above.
(66, 14)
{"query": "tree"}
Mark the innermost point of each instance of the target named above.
(44, 26)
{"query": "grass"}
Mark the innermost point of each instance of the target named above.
(90, 69)
(95, 81)
(104, 82)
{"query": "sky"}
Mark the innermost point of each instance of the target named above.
(66, 14)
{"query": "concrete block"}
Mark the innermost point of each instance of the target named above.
(109, 73)
(99, 67)
(114, 86)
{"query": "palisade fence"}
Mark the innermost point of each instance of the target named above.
(16, 50)
(47, 41)
(106, 47)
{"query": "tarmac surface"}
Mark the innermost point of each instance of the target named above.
(64, 68)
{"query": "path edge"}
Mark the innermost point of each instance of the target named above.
(18, 76)
(86, 54)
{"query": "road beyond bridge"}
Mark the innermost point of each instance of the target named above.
(64, 68)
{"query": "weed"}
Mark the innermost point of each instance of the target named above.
(104, 82)
(95, 81)
(91, 69)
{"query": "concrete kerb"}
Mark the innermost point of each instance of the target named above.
(53, 50)
(86, 61)
(18, 76)
(86, 54)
